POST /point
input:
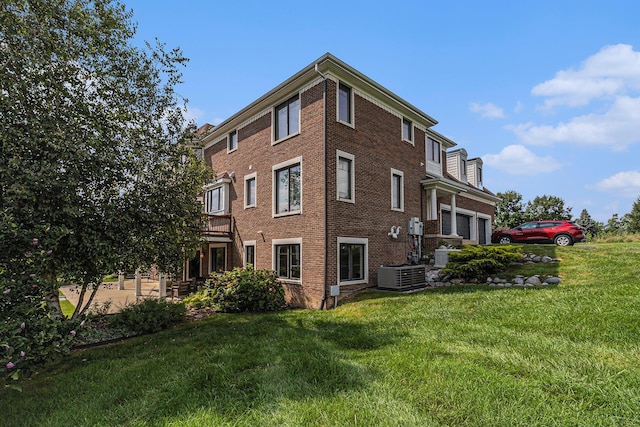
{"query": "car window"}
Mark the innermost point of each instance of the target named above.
(528, 226)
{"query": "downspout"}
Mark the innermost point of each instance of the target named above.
(326, 202)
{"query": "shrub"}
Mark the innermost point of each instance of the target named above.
(242, 289)
(148, 316)
(478, 262)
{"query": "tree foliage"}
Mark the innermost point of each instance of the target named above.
(591, 226)
(509, 210)
(547, 207)
(94, 165)
(633, 218)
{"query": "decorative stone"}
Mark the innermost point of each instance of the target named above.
(533, 280)
(553, 280)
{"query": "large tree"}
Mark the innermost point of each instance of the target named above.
(95, 172)
(633, 218)
(591, 226)
(509, 210)
(547, 207)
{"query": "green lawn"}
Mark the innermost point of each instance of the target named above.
(466, 356)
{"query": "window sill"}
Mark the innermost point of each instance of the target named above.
(278, 215)
(354, 282)
(276, 142)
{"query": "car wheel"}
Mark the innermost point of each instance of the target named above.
(563, 240)
(504, 240)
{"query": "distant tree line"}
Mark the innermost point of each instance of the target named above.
(511, 211)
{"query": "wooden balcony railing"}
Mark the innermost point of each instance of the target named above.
(216, 225)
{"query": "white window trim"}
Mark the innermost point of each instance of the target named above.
(412, 131)
(229, 149)
(274, 187)
(246, 244)
(274, 255)
(224, 183)
(487, 230)
(351, 157)
(226, 254)
(356, 241)
(274, 117)
(352, 103)
(249, 177)
(401, 174)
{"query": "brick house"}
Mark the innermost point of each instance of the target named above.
(320, 178)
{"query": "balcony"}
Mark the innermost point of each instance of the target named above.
(216, 226)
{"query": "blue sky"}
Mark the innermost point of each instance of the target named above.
(547, 93)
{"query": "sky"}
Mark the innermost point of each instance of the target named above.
(547, 93)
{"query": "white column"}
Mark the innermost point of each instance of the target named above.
(138, 281)
(434, 204)
(162, 286)
(454, 224)
(120, 281)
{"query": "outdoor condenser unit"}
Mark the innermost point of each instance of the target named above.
(401, 276)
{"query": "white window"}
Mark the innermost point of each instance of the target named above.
(345, 104)
(345, 176)
(433, 150)
(287, 187)
(232, 141)
(287, 259)
(407, 130)
(397, 190)
(287, 118)
(353, 260)
(250, 191)
(249, 253)
(216, 197)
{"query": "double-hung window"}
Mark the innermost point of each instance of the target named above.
(433, 150)
(250, 191)
(345, 179)
(407, 130)
(287, 183)
(232, 141)
(287, 262)
(250, 253)
(345, 104)
(397, 190)
(287, 118)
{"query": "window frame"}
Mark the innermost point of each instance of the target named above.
(352, 176)
(223, 186)
(247, 179)
(400, 174)
(289, 243)
(246, 245)
(232, 141)
(274, 171)
(408, 124)
(434, 146)
(365, 262)
(350, 106)
(275, 120)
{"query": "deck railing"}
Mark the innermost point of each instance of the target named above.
(216, 225)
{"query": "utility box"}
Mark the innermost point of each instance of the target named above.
(334, 290)
(416, 227)
(442, 257)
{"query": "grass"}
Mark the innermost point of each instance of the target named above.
(462, 356)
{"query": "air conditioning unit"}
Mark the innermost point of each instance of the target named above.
(401, 277)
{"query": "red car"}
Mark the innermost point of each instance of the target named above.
(560, 232)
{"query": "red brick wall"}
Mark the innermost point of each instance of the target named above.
(256, 154)
(376, 142)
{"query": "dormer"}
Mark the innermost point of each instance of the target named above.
(457, 164)
(474, 172)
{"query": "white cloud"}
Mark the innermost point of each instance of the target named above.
(488, 110)
(617, 128)
(518, 160)
(193, 113)
(623, 183)
(613, 71)
(519, 107)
